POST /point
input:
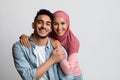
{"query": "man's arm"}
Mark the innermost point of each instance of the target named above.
(23, 66)
(57, 56)
(21, 63)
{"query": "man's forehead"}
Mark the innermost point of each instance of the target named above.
(44, 17)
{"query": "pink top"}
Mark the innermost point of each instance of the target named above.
(71, 65)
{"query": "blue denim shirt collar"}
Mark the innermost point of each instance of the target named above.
(47, 46)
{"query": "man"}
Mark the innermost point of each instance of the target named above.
(39, 62)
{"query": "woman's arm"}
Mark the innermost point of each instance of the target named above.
(24, 40)
(68, 64)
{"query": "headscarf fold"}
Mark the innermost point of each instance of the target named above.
(68, 40)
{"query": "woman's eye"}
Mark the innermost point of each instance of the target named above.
(62, 23)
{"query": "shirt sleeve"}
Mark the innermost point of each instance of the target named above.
(21, 63)
(68, 64)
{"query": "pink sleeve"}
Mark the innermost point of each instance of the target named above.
(67, 66)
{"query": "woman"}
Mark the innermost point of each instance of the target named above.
(61, 32)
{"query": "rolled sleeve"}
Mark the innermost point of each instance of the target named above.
(22, 64)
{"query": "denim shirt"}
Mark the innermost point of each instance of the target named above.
(26, 62)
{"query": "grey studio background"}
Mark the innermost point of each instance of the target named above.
(96, 23)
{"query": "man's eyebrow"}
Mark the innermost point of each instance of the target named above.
(40, 20)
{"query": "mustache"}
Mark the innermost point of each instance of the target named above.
(42, 28)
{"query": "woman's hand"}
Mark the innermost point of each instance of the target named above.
(58, 55)
(24, 40)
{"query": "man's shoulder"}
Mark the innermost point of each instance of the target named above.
(17, 43)
(17, 46)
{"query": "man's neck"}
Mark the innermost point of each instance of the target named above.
(40, 41)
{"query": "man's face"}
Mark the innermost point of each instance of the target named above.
(42, 26)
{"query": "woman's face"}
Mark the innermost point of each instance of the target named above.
(60, 26)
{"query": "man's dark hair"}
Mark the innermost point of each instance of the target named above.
(44, 12)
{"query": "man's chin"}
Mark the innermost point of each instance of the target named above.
(43, 36)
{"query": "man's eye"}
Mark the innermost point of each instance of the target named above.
(39, 22)
(49, 24)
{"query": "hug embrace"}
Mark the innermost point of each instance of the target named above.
(50, 53)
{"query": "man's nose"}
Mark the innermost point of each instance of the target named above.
(43, 25)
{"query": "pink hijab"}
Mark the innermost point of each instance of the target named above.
(68, 40)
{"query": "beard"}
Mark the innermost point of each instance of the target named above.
(40, 36)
